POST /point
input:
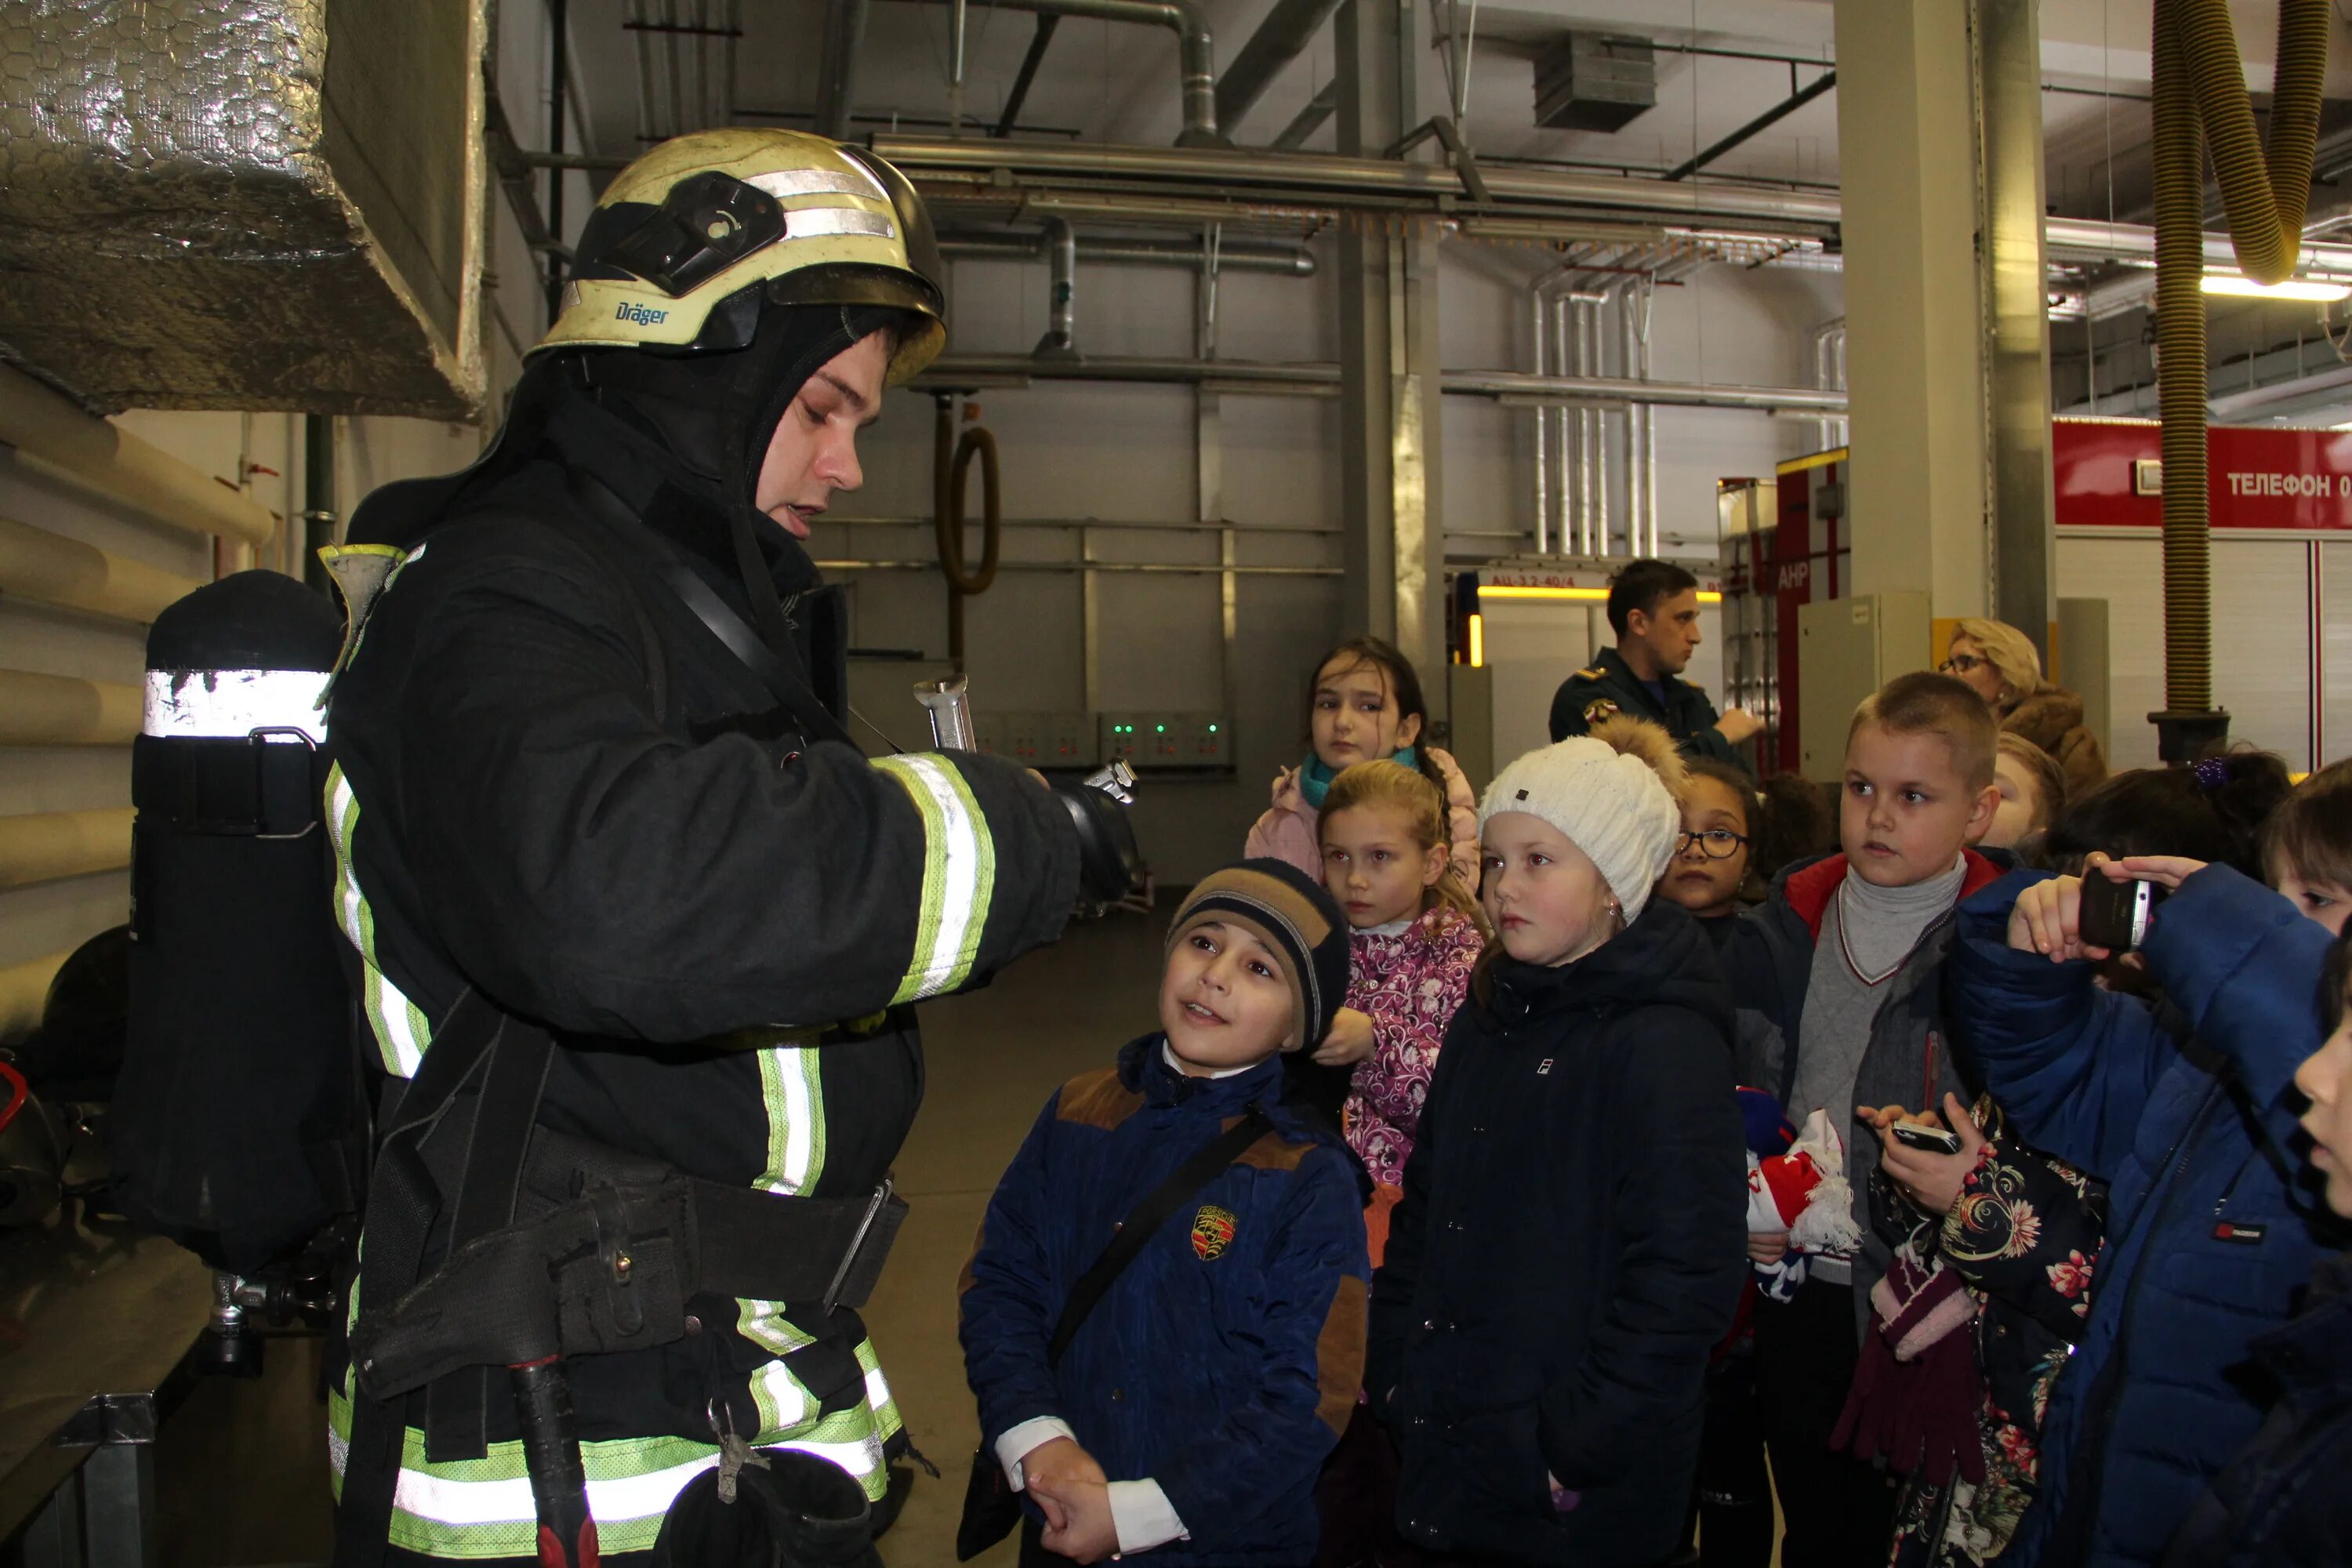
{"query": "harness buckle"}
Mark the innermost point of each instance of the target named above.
(874, 1205)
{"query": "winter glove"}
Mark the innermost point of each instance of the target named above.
(1917, 1390)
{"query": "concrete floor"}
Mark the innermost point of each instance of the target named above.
(993, 1056)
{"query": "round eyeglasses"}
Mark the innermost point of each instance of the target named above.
(1716, 843)
(1959, 664)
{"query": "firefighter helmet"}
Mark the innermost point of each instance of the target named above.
(692, 240)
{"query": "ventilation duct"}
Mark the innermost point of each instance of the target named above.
(1589, 82)
(245, 204)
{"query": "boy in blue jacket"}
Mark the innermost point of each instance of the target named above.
(1194, 1407)
(2186, 1108)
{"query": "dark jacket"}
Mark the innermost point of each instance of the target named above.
(1610, 686)
(1768, 960)
(1565, 1254)
(551, 783)
(2051, 718)
(2185, 1112)
(1226, 1358)
(2285, 1501)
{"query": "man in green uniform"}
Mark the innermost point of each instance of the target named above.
(1653, 610)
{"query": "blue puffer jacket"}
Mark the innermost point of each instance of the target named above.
(1226, 1361)
(2209, 1243)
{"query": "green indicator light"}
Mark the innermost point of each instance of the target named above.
(1163, 729)
(1212, 728)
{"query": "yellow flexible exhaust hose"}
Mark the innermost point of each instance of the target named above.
(2201, 100)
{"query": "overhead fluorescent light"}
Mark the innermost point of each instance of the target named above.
(1586, 596)
(2241, 287)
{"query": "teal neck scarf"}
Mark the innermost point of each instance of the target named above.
(1314, 776)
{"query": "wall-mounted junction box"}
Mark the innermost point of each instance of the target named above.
(1065, 738)
(1168, 741)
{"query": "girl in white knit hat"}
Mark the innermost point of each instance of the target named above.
(1570, 1245)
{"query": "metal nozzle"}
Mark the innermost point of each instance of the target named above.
(949, 703)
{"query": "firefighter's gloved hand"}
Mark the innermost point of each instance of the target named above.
(794, 1511)
(1110, 867)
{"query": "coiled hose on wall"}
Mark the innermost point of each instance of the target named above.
(2200, 102)
(950, 467)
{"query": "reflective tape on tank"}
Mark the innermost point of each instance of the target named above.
(958, 875)
(233, 703)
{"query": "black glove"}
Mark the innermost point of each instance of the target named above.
(1110, 867)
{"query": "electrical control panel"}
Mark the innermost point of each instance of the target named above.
(1168, 741)
(1042, 740)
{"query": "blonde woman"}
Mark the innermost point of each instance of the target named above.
(2001, 665)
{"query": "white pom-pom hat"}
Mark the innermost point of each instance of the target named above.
(1612, 794)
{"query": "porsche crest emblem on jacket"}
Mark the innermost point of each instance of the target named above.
(1598, 709)
(1212, 1231)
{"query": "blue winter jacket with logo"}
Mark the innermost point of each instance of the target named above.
(2184, 1108)
(1227, 1359)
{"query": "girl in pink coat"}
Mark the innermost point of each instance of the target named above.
(1415, 937)
(1366, 707)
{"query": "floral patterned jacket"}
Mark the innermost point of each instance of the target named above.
(1411, 983)
(2025, 1235)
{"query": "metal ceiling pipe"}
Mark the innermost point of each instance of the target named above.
(1539, 308)
(1197, 56)
(1232, 256)
(1061, 339)
(836, 71)
(1690, 200)
(1285, 34)
(1513, 383)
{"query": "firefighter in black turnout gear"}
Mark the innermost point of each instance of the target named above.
(636, 928)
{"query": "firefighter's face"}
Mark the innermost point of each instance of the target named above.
(814, 449)
(1223, 1000)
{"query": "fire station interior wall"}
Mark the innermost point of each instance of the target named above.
(1121, 453)
(2262, 641)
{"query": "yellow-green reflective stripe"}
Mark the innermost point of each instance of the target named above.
(793, 1086)
(399, 1026)
(958, 875)
(475, 1508)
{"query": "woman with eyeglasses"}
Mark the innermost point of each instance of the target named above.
(2001, 665)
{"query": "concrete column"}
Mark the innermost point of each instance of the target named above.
(1915, 367)
(1393, 549)
(2025, 540)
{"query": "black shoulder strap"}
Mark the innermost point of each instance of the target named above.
(734, 633)
(1148, 1216)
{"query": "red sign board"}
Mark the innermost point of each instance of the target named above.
(2255, 477)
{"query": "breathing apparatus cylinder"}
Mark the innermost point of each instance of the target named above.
(235, 1130)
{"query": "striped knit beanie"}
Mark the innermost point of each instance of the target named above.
(1280, 905)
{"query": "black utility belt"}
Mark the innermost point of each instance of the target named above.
(618, 1246)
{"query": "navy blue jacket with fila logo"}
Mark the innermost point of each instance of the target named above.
(1568, 1252)
(1226, 1360)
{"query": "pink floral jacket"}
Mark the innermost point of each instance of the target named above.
(1411, 984)
(1286, 831)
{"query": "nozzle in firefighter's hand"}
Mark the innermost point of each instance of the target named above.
(1110, 867)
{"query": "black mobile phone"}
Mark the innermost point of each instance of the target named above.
(1934, 1140)
(2114, 915)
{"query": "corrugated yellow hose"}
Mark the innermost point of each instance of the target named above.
(2200, 102)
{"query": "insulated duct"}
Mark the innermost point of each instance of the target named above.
(245, 204)
(2201, 100)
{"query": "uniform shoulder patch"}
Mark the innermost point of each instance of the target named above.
(1213, 1231)
(1598, 709)
(1592, 674)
